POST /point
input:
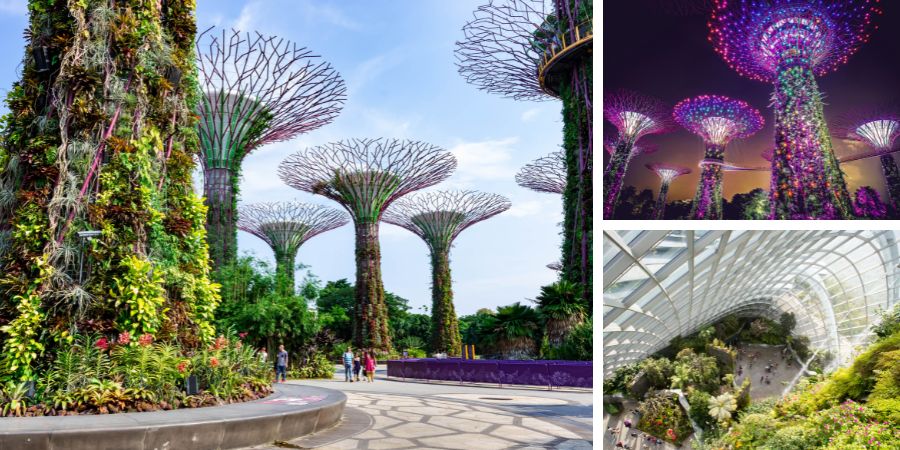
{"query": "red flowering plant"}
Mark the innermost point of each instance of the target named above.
(124, 338)
(145, 340)
(102, 343)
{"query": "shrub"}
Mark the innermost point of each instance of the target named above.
(699, 402)
(661, 413)
(578, 345)
(318, 366)
(795, 437)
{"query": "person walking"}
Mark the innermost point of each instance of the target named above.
(348, 364)
(281, 363)
(357, 366)
(370, 366)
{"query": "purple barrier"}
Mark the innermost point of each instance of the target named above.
(532, 373)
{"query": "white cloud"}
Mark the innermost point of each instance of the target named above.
(483, 161)
(246, 21)
(525, 208)
(530, 114)
(372, 68)
(13, 7)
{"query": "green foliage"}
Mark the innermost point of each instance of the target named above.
(889, 324)
(138, 294)
(578, 345)
(621, 379)
(318, 367)
(698, 371)
(658, 372)
(699, 402)
(562, 307)
(22, 345)
(514, 331)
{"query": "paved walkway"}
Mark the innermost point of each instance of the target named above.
(754, 359)
(391, 414)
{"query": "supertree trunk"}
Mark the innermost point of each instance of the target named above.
(578, 197)
(444, 323)
(613, 176)
(221, 219)
(370, 329)
(284, 271)
(660, 209)
(807, 182)
(708, 199)
(892, 180)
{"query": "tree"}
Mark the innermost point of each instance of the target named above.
(563, 308)
(658, 371)
(514, 331)
(698, 371)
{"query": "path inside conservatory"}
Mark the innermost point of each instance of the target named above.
(390, 414)
(754, 359)
(614, 430)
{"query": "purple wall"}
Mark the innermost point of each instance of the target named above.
(536, 373)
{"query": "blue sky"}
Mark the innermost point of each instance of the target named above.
(396, 57)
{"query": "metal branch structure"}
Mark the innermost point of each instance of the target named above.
(878, 128)
(717, 120)
(535, 50)
(545, 174)
(634, 115)
(667, 173)
(555, 266)
(365, 176)
(789, 43)
(438, 217)
(285, 226)
(256, 90)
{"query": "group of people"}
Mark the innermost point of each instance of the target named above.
(354, 362)
(649, 441)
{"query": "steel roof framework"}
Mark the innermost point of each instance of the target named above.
(662, 284)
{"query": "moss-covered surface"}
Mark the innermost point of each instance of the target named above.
(102, 140)
(444, 322)
(370, 327)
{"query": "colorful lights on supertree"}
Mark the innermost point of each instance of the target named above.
(789, 43)
(438, 217)
(256, 90)
(717, 120)
(868, 204)
(879, 130)
(634, 115)
(545, 174)
(365, 176)
(285, 226)
(536, 50)
(666, 173)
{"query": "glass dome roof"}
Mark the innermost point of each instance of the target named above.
(661, 284)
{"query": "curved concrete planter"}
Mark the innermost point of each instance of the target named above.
(281, 416)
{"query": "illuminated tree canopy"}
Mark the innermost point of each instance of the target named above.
(667, 173)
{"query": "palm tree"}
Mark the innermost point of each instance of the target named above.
(514, 331)
(562, 307)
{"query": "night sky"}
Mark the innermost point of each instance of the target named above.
(652, 51)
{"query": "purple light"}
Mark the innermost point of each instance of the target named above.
(667, 173)
(756, 38)
(717, 120)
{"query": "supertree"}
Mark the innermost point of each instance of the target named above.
(555, 266)
(538, 50)
(868, 204)
(365, 176)
(667, 173)
(256, 90)
(285, 226)
(100, 231)
(438, 217)
(545, 174)
(634, 115)
(717, 120)
(879, 130)
(789, 43)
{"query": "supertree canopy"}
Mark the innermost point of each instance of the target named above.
(535, 50)
(438, 217)
(365, 176)
(634, 115)
(788, 43)
(667, 173)
(717, 120)
(546, 174)
(878, 130)
(256, 90)
(285, 226)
